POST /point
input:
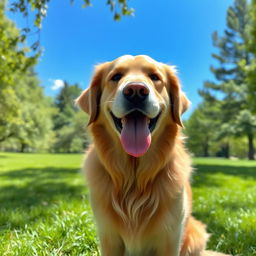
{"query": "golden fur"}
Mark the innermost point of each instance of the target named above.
(142, 205)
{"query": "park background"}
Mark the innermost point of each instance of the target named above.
(47, 53)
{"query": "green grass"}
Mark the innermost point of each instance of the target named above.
(225, 199)
(44, 207)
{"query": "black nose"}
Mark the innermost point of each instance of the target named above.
(135, 92)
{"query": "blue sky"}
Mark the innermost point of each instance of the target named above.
(172, 31)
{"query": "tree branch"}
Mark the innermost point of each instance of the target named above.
(7, 136)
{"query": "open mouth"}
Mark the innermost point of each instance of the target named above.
(134, 115)
(135, 129)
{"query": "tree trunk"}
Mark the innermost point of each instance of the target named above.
(251, 150)
(205, 149)
(23, 147)
(226, 150)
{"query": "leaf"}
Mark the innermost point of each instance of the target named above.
(117, 17)
(35, 45)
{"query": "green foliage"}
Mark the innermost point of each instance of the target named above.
(72, 138)
(29, 121)
(208, 133)
(45, 208)
(69, 122)
(234, 78)
(25, 112)
(250, 69)
(64, 102)
(251, 80)
(238, 147)
(29, 126)
(200, 130)
(14, 65)
(245, 122)
(13, 55)
(23, 7)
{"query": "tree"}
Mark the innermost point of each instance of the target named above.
(29, 121)
(68, 122)
(30, 129)
(72, 138)
(13, 63)
(16, 77)
(253, 14)
(197, 131)
(250, 69)
(232, 89)
(202, 129)
(245, 123)
(64, 102)
(13, 54)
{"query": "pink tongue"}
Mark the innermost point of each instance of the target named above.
(135, 135)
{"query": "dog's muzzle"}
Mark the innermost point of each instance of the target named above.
(135, 113)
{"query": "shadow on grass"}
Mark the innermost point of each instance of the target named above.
(236, 237)
(37, 189)
(203, 175)
(35, 173)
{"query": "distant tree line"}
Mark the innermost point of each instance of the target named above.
(224, 124)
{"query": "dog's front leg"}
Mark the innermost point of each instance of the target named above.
(174, 227)
(171, 247)
(111, 244)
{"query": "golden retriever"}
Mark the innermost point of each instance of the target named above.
(137, 168)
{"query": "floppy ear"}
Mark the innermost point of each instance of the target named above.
(178, 99)
(89, 100)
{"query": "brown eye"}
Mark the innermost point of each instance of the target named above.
(154, 77)
(116, 77)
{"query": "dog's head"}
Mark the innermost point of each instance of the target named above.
(135, 94)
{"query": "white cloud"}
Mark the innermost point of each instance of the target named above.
(57, 83)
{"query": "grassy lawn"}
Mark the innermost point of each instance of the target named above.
(225, 199)
(44, 207)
